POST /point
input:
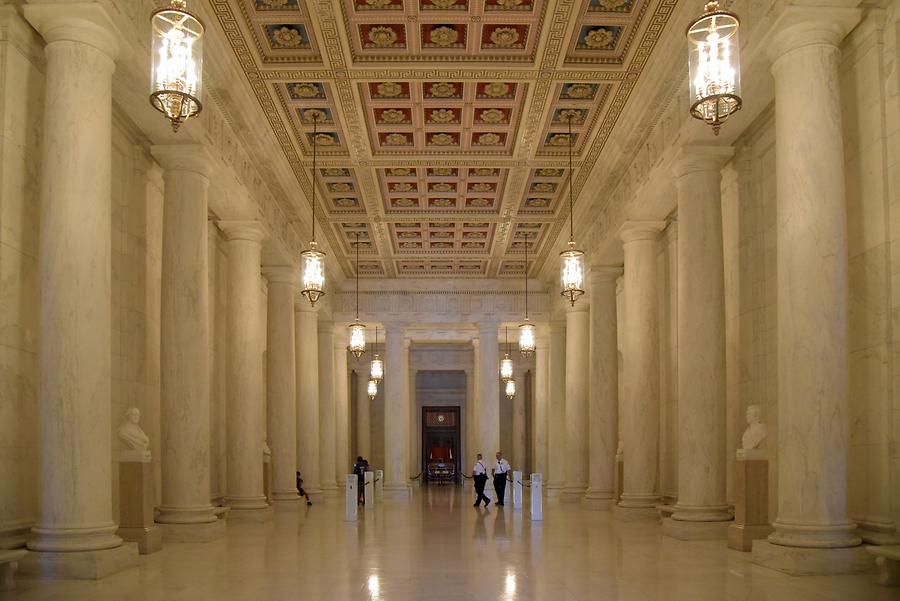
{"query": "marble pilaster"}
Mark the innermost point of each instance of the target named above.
(541, 399)
(281, 386)
(519, 402)
(396, 413)
(640, 420)
(185, 513)
(813, 312)
(306, 353)
(245, 418)
(604, 387)
(702, 509)
(363, 415)
(343, 462)
(74, 269)
(327, 437)
(555, 477)
(488, 416)
(577, 417)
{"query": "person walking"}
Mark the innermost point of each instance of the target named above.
(479, 475)
(359, 468)
(501, 473)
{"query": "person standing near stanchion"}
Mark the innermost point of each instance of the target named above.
(501, 473)
(479, 475)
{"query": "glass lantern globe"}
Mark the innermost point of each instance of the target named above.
(526, 339)
(313, 278)
(376, 369)
(506, 368)
(714, 57)
(510, 389)
(357, 339)
(572, 274)
(372, 389)
(177, 59)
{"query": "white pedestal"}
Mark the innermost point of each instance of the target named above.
(370, 491)
(350, 496)
(751, 501)
(136, 505)
(517, 490)
(379, 486)
(537, 505)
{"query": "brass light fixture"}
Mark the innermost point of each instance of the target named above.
(357, 329)
(714, 65)
(176, 38)
(372, 389)
(510, 389)
(526, 329)
(506, 364)
(376, 366)
(313, 258)
(572, 273)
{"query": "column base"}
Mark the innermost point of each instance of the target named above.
(878, 533)
(202, 532)
(315, 495)
(635, 514)
(554, 492)
(807, 561)
(288, 503)
(80, 565)
(148, 539)
(572, 494)
(741, 536)
(330, 492)
(397, 493)
(597, 500)
(256, 515)
(684, 530)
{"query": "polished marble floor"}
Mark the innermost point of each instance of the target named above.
(438, 547)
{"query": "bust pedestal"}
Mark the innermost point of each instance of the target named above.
(136, 502)
(751, 504)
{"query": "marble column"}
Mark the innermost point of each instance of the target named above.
(519, 402)
(363, 415)
(185, 513)
(472, 406)
(604, 387)
(702, 509)
(306, 352)
(488, 417)
(640, 420)
(281, 387)
(343, 462)
(74, 269)
(555, 478)
(327, 437)
(812, 311)
(541, 400)
(577, 416)
(244, 413)
(396, 413)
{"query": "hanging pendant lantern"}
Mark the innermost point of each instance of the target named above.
(357, 329)
(376, 366)
(510, 389)
(526, 330)
(714, 64)
(506, 364)
(572, 273)
(372, 389)
(313, 259)
(176, 65)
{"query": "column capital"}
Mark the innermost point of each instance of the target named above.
(184, 157)
(251, 231)
(632, 231)
(557, 327)
(692, 158)
(604, 273)
(577, 308)
(407, 343)
(302, 305)
(83, 22)
(280, 274)
(476, 342)
(488, 325)
(808, 24)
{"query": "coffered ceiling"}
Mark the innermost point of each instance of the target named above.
(442, 124)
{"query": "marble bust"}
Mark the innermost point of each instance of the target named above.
(135, 441)
(754, 439)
